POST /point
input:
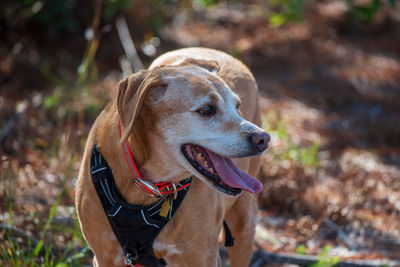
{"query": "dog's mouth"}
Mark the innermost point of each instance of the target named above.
(221, 171)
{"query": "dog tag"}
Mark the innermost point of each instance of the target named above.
(165, 206)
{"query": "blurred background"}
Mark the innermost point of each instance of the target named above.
(329, 84)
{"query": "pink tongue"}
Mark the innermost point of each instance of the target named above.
(233, 176)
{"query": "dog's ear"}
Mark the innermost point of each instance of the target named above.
(131, 95)
(210, 65)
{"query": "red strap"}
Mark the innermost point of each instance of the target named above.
(163, 188)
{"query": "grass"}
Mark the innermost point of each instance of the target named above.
(26, 250)
(67, 104)
(324, 260)
(286, 150)
(12, 253)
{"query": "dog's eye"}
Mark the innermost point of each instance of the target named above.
(207, 110)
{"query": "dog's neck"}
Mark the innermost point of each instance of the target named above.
(110, 146)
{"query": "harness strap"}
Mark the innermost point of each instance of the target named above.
(135, 226)
(228, 236)
(155, 190)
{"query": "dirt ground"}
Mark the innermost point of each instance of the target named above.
(330, 97)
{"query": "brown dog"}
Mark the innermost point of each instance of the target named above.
(181, 118)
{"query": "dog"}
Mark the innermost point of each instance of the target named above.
(189, 114)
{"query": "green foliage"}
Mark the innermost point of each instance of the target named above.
(112, 7)
(366, 12)
(292, 10)
(302, 250)
(42, 255)
(236, 53)
(53, 15)
(306, 156)
(19, 251)
(324, 260)
(74, 98)
(204, 3)
(17, 256)
(309, 155)
(52, 101)
(285, 11)
(58, 15)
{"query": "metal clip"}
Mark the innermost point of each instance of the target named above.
(128, 259)
(175, 192)
(147, 186)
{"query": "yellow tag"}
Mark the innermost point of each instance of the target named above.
(165, 206)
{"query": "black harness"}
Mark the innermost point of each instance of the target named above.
(136, 227)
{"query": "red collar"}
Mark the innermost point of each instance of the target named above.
(155, 190)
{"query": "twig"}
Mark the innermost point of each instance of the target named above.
(69, 222)
(128, 45)
(7, 128)
(303, 260)
(5, 131)
(91, 47)
(97, 16)
(340, 233)
(19, 232)
(257, 263)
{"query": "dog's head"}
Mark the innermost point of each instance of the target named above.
(189, 121)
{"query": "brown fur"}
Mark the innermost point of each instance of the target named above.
(191, 237)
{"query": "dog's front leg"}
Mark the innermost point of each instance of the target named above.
(108, 254)
(242, 219)
(117, 261)
(188, 255)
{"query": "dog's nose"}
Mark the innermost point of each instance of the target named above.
(260, 140)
